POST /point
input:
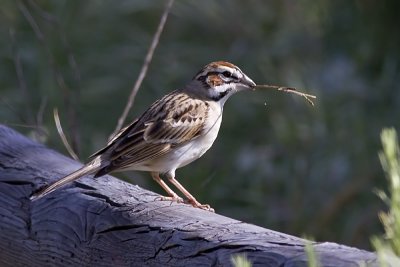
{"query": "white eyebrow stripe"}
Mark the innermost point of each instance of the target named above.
(220, 69)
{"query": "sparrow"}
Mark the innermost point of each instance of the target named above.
(173, 132)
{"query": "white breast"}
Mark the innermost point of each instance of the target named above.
(196, 148)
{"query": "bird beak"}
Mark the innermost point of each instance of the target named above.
(246, 81)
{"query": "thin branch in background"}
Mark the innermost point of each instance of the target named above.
(21, 79)
(6, 103)
(39, 121)
(62, 135)
(70, 97)
(39, 132)
(40, 113)
(145, 66)
(67, 94)
(31, 21)
(54, 20)
(288, 90)
(45, 15)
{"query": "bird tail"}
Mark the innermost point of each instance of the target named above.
(89, 168)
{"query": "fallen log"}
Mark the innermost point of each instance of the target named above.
(108, 222)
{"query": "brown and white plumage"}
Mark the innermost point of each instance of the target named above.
(174, 131)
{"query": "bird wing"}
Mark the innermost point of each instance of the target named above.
(168, 123)
(182, 124)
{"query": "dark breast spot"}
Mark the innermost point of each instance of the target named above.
(176, 116)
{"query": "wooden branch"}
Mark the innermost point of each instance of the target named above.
(108, 222)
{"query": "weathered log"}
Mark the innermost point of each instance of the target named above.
(108, 222)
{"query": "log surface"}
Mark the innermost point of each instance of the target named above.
(108, 222)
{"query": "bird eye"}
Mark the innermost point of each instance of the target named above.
(227, 74)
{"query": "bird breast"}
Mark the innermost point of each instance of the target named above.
(195, 148)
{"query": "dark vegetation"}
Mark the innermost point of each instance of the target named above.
(278, 162)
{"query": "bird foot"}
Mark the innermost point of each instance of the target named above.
(192, 202)
(206, 207)
(175, 198)
(197, 204)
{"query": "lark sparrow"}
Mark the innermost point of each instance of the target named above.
(174, 131)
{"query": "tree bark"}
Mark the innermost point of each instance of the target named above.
(108, 222)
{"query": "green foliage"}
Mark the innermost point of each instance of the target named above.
(240, 260)
(312, 258)
(277, 162)
(388, 246)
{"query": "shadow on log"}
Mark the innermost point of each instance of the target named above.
(108, 222)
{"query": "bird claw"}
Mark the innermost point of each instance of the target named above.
(176, 199)
(206, 207)
(192, 202)
(197, 204)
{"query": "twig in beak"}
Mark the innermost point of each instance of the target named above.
(288, 90)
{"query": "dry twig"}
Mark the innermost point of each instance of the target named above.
(145, 66)
(62, 135)
(288, 90)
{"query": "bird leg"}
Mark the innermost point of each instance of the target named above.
(172, 195)
(189, 196)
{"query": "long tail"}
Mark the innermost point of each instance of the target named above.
(89, 168)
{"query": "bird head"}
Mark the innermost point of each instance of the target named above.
(219, 80)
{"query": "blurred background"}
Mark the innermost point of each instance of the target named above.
(278, 162)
